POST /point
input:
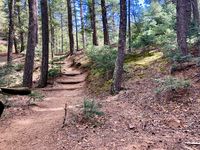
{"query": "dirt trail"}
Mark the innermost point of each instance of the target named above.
(35, 129)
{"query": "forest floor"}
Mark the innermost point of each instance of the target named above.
(135, 119)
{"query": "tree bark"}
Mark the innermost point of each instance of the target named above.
(32, 42)
(15, 45)
(188, 13)
(11, 31)
(22, 46)
(52, 31)
(45, 44)
(117, 77)
(82, 24)
(62, 31)
(76, 25)
(105, 23)
(182, 25)
(195, 10)
(70, 27)
(93, 22)
(129, 26)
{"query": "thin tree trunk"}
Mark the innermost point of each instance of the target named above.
(105, 23)
(188, 13)
(21, 36)
(93, 22)
(70, 27)
(15, 45)
(62, 31)
(76, 25)
(32, 42)
(37, 23)
(196, 19)
(118, 72)
(52, 31)
(82, 24)
(195, 10)
(182, 25)
(11, 31)
(45, 44)
(129, 26)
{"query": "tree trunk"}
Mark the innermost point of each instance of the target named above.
(182, 25)
(11, 31)
(129, 26)
(105, 23)
(196, 19)
(62, 31)
(37, 23)
(52, 31)
(117, 77)
(93, 22)
(70, 27)
(82, 24)
(188, 13)
(195, 10)
(76, 25)
(20, 25)
(45, 44)
(15, 45)
(32, 42)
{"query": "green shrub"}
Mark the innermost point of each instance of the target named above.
(36, 95)
(91, 109)
(4, 72)
(3, 48)
(170, 83)
(54, 72)
(157, 26)
(18, 67)
(175, 56)
(103, 58)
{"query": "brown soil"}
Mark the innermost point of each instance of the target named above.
(35, 127)
(135, 119)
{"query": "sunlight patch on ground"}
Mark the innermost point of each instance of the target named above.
(147, 60)
(47, 109)
(24, 122)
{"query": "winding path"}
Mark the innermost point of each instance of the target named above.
(35, 130)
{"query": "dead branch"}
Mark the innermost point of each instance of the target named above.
(65, 116)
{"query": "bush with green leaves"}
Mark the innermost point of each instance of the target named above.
(35, 96)
(18, 67)
(157, 26)
(171, 84)
(54, 72)
(175, 56)
(103, 58)
(91, 109)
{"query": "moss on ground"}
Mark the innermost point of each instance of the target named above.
(143, 59)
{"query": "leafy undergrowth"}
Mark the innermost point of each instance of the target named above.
(10, 75)
(3, 48)
(143, 59)
(100, 81)
(138, 118)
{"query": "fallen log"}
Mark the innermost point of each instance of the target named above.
(181, 67)
(16, 91)
(1, 108)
